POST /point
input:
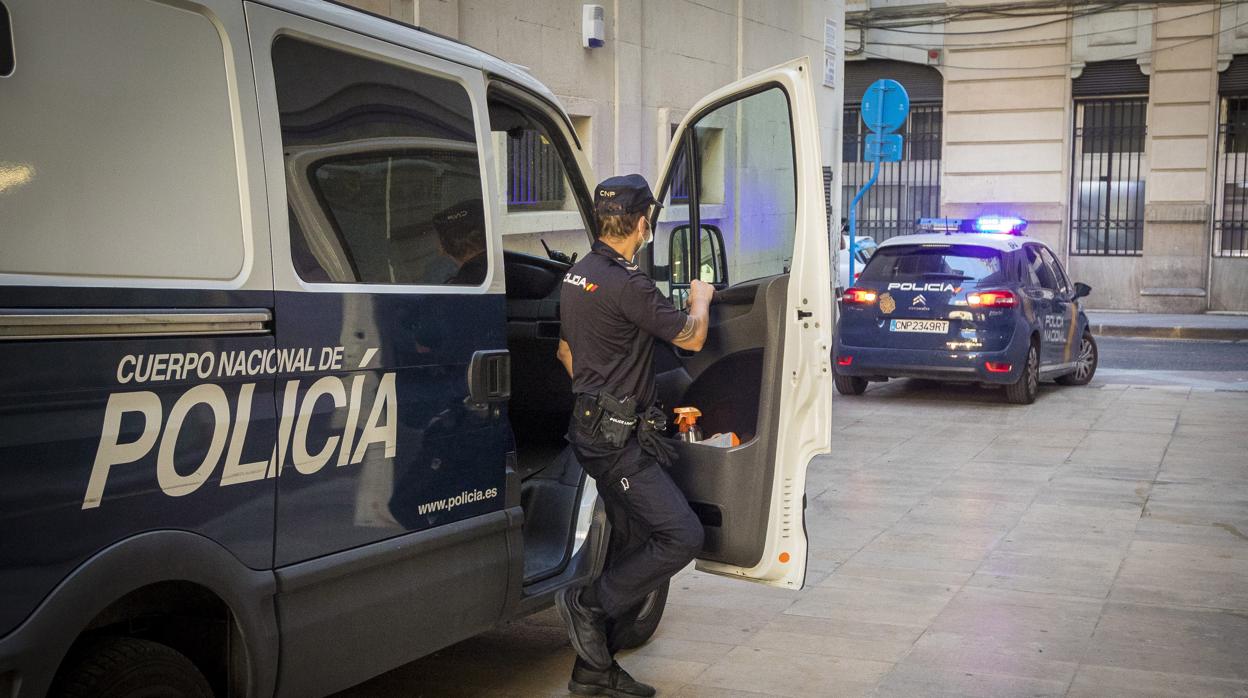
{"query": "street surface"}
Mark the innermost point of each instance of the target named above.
(1092, 544)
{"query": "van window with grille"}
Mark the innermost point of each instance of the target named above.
(382, 171)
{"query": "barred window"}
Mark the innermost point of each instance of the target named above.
(680, 175)
(1108, 176)
(905, 191)
(534, 173)
(1230, 220)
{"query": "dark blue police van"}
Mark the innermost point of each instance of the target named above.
(974, 302)
(280, 407)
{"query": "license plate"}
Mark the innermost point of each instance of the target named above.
(933, 326)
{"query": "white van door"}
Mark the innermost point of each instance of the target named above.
(744, 170)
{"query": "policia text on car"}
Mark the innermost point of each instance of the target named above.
(611, 314)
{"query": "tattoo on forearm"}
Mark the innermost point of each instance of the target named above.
(691, 328)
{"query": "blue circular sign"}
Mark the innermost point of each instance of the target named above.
(885, 106)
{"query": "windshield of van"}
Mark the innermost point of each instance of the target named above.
(969, 263)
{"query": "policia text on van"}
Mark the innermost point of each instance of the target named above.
(280, 374)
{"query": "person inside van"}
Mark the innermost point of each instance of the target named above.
(461, 235)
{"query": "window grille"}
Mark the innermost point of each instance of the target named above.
(1107, 176)
(534, 173)
(1230, 219)
(905, 191)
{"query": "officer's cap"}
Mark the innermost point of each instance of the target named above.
(619, 195)
(463, 217)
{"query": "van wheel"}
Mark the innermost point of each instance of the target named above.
(635, 627)
(128, 667)
(1085, 365)
(1023, 391)
(849, 385)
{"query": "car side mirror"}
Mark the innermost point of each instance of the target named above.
(1081, 289)
(712, 267)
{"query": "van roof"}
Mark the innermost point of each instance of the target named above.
(418, 39)
(997, 241)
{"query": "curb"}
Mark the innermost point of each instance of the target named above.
(1216, 333)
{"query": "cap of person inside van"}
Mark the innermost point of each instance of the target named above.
(625, 194)
(459, 218)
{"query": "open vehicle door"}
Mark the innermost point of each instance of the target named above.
(744, 171)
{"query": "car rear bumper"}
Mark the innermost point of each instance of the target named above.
(945, 365)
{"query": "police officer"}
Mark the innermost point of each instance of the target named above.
(611, 315)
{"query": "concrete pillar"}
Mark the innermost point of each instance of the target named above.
(1183, 102)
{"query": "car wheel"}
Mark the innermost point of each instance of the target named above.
(129, 667)
(1085, 365)
(636, 626)
(849, 385)
(1023, 391)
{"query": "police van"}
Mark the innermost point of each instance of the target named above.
(280, 408)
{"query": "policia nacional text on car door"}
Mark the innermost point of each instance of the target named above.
(260, 433)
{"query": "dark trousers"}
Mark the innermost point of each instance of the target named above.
(654, 533)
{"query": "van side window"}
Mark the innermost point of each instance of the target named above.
(382, 175)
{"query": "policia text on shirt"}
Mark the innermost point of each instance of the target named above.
(611, 314)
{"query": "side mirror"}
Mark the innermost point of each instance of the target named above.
(712, 267)
(1081, 290)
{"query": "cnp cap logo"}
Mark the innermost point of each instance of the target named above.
(606, 193)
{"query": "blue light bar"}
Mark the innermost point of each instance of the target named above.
(941, 225)
(984, 224)
(1000, 224)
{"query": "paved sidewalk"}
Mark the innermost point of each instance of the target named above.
(1092, 544)
(1205, 326)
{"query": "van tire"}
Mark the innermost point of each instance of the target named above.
(849, 385)
(1024, 390)
(128, 667)
(637, 625)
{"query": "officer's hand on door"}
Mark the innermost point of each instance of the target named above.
(700, 292)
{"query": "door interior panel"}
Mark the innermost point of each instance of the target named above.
(734, 379)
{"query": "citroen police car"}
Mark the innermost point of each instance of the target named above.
(280, 408)
(965, 300)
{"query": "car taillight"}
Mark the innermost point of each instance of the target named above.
(997, 367)
(859, 296)
(992, 299)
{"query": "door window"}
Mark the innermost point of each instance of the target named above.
(1038, 270)
(1056, 271)
(382, 174)
(744, 185)
(541, 214)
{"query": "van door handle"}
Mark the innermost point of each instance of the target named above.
(489, 377)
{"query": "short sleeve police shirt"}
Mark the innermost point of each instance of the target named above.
(611, 313)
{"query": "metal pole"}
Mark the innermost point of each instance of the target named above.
(853, 218)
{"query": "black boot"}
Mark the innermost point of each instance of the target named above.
(612, 682)
(587, 628)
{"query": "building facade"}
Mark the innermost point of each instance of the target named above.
(1119, 132)
(658, 58)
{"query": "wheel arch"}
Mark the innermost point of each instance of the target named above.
(135, 577)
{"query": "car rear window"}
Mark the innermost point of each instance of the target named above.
(956, 262)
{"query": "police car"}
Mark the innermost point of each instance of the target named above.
(280, 407)
(966, 300)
